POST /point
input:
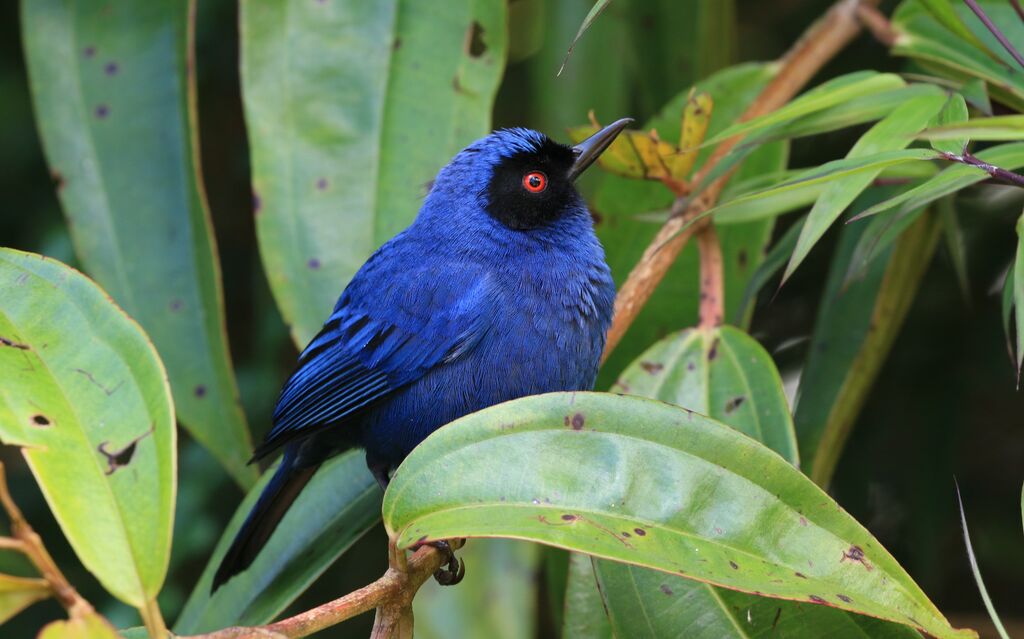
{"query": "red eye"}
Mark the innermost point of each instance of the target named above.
(535, 181)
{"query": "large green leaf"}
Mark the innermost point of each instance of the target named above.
(18, 593)
(923, 38)
(722, 373)
(855, 328)
(619, 201)
(497, 599)
(335, 509)
(653, 485)
(891, 133)
(114, 103)
(84, 394)
(351, 109)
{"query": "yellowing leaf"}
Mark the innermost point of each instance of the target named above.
(696, 118)
(89, 626)
(18, 593)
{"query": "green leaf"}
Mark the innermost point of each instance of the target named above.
(114, 103)
(946, 15)
(351, 110)
(619, 201)
(1018, 293)
(722, 373)
(83, 393)
(999, 127)
(497, 599)
(951, 179)
(953, 234)
(828, 94)
(772, 264)
(89, 625)
(952, 115)
(644, 482)
(982, 590)
(1007, 308)
(599, 6)
(893, 132)
(855, 328)
(335, 509)
(18, 593)
(585, 615)
(926, 40)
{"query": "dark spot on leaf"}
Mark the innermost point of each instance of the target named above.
(40, 420)
(313, 263)
(89, 51)
(640, 532)
(58, 180)
(816, 599)
(741, 257)
(844, 599)
(734, 565)
(321, 184)
(175, 305)
(200, 391)
(803, 521)
(578, 421)
(778, 613)
(625, 534)
(475, 45)
(690, 366)
(856, 553)
(713, 351)
(110, 68)
(12, 344)
(665, 589)
(458, 85)
(734, 403)
(652, 367)
(102, 111)
(396, 45)
(568, 517)
(119, 458)
(800, 574)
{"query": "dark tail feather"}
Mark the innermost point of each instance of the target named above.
(277, 498)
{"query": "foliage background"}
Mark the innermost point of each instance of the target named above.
(943, 405)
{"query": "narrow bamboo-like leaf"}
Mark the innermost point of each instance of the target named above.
(1018, 292)
(497, 599)
(1007, 309)
(830, 93)
(619, 201)
(943, 11)
(952, 115)
(853, 333)
(722, 373)
(585, 615)
(351, 108)
(982, 590)
(89, 625)
(952, 179)
(881, 233)
(18, 593)
(772, 264)
(953, 234)
(976, 93)
(999, 127)
(653, 485)
(336, 508)
(114, 97)
(83, 393)
(599, 6)
(893, 132)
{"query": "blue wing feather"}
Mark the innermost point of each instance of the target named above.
(376, 342)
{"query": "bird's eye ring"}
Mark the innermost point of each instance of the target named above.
(535, 181)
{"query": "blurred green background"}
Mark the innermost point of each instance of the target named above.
(944, 405)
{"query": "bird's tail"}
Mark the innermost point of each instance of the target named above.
(274, 502)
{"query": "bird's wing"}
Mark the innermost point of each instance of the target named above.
(387, 330)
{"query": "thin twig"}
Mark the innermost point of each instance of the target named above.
(878, 24)
(991, 26)
(1018, 9)
(712, 278)
(1004, 176)
(820, 44)
(31, 544)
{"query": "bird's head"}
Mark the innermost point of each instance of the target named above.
(523, 178)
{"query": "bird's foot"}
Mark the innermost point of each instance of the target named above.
(453, 569)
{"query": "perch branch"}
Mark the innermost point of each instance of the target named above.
(820, 43)
(28, 542)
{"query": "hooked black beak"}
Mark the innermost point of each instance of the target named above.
(590, 149)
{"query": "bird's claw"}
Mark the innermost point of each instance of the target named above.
(453, 569)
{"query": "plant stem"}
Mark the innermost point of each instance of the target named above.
(712, 279)
(991, 26)
(31, 545)
(153, 620)
(820, 43)
(392, 594)
(1007, 177)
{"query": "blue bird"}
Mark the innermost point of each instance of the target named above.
(499, 289)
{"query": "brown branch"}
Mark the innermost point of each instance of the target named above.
(392, 595)
(878, 24)
(31, 545)
(712, 279)
(819, 44)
